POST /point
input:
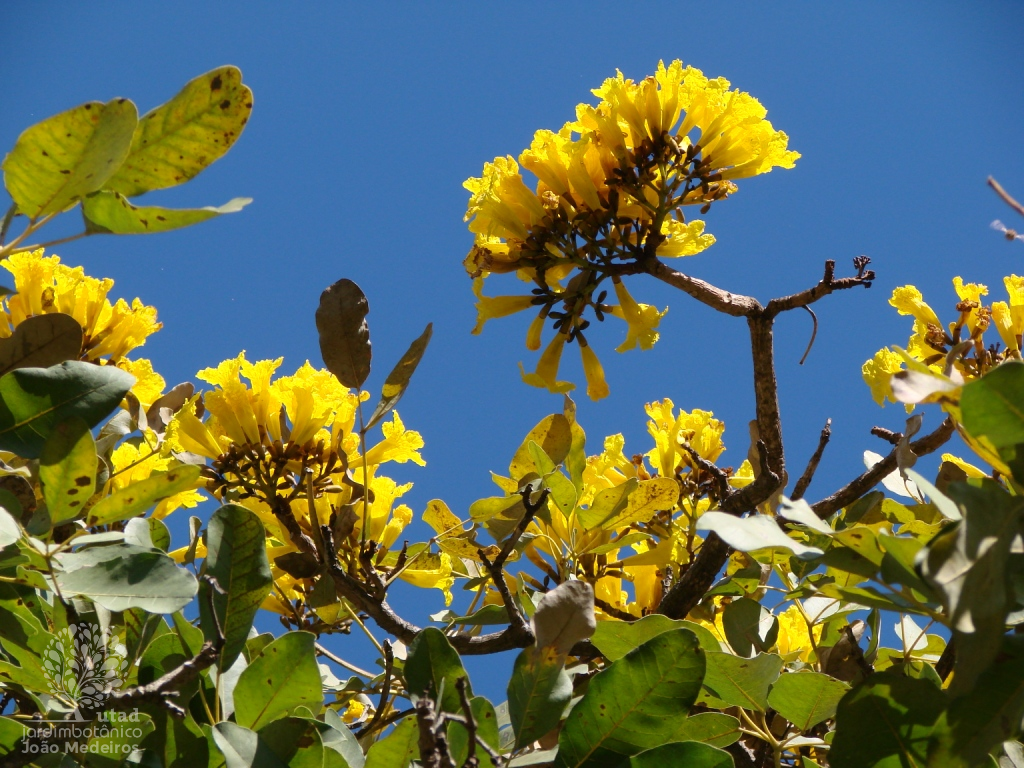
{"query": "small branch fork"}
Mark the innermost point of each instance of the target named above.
(433, 741)
(812, 466)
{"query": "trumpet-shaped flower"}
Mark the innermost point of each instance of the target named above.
(610, 188)
(44, 285)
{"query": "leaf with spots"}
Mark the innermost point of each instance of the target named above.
(634, 704)
(65, 157)
(538, 693)
(398, 380)
(177, 140)
(67, 469)
(236, 556)
(41, 341)
(34, 400)
(110, 213)
(553, 434)
(140, 496)
(284, 676)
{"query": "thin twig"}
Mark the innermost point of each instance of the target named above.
(812, 466)
(869, 479)
(385, 690)
(1006, 196)
(341, 662)
(467, 710)
(814, 334)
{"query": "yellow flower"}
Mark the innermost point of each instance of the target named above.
(429, 570)
(794, 638)
(545, 376)
(149, 384)
(491, 307)
(683, 239)
(698, 428)
(908, 301)
(132, 463)
(877, 373)
(597, 387)
(44, 285)
(641, 319)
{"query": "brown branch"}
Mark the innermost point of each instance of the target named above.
(869, 479)
(814, 334)
(893, 438)
(828, 284)
(944, 666)
(734, 304)
(1005, 196)
(812, 466)
(433, 742)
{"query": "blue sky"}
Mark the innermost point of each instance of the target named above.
(368, 118)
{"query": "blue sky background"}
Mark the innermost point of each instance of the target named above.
(368, 119)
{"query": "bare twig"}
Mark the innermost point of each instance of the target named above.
(518, 626)
(814, 334)
(812, 466)
(893, 438)
(467, 711)
(869, 479)
(1005, 196)
(385, 690)
(433, 741)
(828, 284)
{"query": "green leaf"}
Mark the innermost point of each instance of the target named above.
(688, 753)
(41, 341)
(344, 334)
(343, 741)
(138, 497)
(69, 155)
(295, 741)
(236, 556)
(432, 665)
(553, 434)
(742, 682)
(806, 698)
(284, 676)
(538, 693)
(748, 534)
(397, 749)
(749, 627)
(967, 565)
(992, 407)
(164, 654)
(889, 720)
(67, 469)
(992, 712)
(635, 703)
(614, 639)
(800, 512)
(398, 380)
(110, 213)
(120, 577)
(487, 729)
(712, 728)
(607, 504)
(177, 140)
(177, 740)
(34, 400)
(242, 748)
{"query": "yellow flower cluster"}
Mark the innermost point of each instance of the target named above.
(642, 540)
(956, 352)
(133, 463)
(44, 285)
(610, 192)
(264, 434)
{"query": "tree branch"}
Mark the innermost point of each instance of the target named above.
(1005, 196)
(869, 479)
(812, 466)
